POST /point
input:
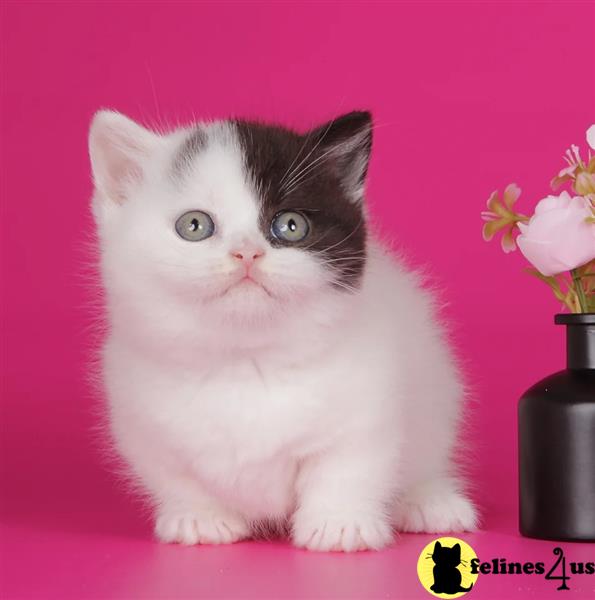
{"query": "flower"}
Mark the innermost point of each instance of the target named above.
(579, 173)
(584, 184)
(575, 163)
(591, 136)
(559, 239)
(502, 216)
(559, 236)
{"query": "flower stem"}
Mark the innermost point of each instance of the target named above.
(580, 292)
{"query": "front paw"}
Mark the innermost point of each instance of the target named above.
(201, 528)
(341, 533)
(436, 510)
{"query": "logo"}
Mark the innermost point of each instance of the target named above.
(449, 567)
(444, 568)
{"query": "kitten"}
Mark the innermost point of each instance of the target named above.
(267, 361)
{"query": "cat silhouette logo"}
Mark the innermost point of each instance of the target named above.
(444, 568)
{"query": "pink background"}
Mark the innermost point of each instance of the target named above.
(467, 98)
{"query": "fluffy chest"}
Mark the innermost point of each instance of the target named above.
(242, 428)
(238, 413)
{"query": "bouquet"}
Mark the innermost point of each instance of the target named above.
(559, 238)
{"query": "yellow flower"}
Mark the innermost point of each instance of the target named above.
(501, 216)
(584, 184)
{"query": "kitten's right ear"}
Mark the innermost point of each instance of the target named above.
(346, 143)
(118, 148)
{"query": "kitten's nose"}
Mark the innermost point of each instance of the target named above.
(247, 253)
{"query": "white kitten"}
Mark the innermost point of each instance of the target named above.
(266, 361)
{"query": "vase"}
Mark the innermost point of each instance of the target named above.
(557, 443)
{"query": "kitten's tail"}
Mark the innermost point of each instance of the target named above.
(462, 589)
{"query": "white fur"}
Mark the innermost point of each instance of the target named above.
(335, 410)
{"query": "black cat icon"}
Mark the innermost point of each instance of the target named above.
(447, 577)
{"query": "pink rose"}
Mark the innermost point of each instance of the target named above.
(558, 238)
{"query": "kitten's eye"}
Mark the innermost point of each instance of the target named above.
(290, 227)
(195, 226)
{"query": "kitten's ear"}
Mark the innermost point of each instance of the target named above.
(437, 546)
(118, 148)
(457, 549)
(348, 142)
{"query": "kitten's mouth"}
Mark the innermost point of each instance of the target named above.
(247, 282)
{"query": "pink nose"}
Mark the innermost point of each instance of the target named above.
(247, 254)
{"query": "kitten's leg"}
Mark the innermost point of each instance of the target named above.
(343, 496)
(187, 515)
(436, 506)
(184, 512)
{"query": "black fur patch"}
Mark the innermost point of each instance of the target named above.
(319, 174)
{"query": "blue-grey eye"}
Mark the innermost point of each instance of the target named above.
(195, 226)
(290, 226)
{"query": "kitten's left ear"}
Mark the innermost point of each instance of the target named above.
(348, 141)
(118, 148)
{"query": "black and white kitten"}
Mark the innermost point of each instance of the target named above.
(267, 360)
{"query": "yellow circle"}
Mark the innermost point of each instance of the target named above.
(444, 567)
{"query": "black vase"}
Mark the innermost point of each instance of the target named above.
(557, 443)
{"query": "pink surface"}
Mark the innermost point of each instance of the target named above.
(467, 97)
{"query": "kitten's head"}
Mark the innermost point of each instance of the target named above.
(240, 221)
(446, 556)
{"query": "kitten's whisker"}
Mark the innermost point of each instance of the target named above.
(301, 179)
(316, 241)
(346, 268)
(349, 273)
(343, 285)
(294, 183)
(327, 261)
(341, 253)
(347, 236)
(288, 175)
(314, 148)
(288, 172)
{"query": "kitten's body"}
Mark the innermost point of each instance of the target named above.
(330, 401)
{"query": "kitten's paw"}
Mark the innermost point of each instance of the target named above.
(341, 533)
(436, 510)
(207, 528)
